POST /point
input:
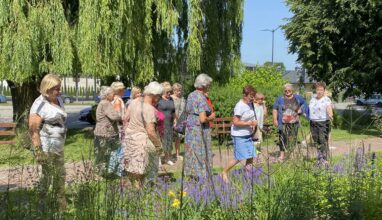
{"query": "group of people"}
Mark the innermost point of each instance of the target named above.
(143, 128)
(248, 122)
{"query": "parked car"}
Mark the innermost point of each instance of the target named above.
(67, 99)
(88, 114)
(3, 99)
(125, 96)
(375, 99)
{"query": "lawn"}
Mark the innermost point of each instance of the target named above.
(79, 145)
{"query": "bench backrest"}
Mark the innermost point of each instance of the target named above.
(7, 129)
(222, 125)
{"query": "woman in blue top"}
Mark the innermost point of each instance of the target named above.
(286, 117)
(243, 127)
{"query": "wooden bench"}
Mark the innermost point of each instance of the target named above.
(7, 129)
(221, 129)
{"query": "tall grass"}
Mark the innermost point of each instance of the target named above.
(350, 188)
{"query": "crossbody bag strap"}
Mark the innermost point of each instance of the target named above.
(143, 119)
(254, 110)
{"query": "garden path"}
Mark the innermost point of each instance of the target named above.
(27, 176)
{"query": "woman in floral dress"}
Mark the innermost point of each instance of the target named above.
(198, 154)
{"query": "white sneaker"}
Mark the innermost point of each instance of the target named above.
(332, 148)
(179, 157)
(170, 163)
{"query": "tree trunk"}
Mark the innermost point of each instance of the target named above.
(23, 96)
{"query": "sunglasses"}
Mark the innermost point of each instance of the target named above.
(287, 90)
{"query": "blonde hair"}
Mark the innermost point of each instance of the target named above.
(165, 83)
(166, 87)
(260, 95)
(134, 91)
(117, 86)
(176, 86)
(49, 81)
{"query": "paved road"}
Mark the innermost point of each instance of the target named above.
(72, 110)
(340, 107)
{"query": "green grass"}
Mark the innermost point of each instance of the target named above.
(339, 134)
(79, 145)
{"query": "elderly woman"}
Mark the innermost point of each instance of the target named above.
(135, 93)
(142, 141)
(48, 131)
(106, 138)
(244, 124)
(286, 117)
(197, 149)
(321, 113)
(167, 107)
(117, 102)
(180, 105)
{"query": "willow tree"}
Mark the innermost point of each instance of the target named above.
(116, 37)
(35, 38)
(140, 40)
(222, 38)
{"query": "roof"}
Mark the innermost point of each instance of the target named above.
(294, 77)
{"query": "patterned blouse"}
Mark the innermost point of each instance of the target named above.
(107, 120)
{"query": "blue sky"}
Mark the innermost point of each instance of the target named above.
(256, 45)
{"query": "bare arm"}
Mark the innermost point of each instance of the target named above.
(240, 123)
(117, 105)
(153, 135)
(274, 114)
(34, 129)
(126, 118)
(203, 117)
(329, 110)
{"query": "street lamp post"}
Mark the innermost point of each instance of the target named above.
(273, 38)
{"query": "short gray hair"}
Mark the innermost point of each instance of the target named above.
(105, 90)
(153, 88)
(202, 81)
(288, 85)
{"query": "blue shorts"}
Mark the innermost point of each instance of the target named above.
(243, 147)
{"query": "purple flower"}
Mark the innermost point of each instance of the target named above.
(337, 168)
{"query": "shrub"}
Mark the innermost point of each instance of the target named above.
(266, 79)
(224, 99)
